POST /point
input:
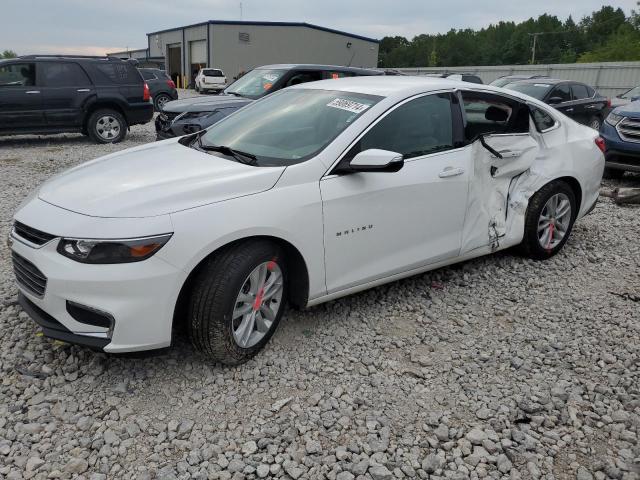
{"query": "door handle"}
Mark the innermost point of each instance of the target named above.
(568, 109)
(510, 153)
(83, 90)
(31, 92)
(450, 172)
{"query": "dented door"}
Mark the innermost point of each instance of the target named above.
(491, 182)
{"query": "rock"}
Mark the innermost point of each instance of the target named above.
(432, 463)
(249, 448)
(583, 474)
(76, 465)
(33, 463)
(442, 432)
(293, 470)
(503, 463)
(476, 436)
(380, 472)
(262, 470)
(345, 476)
(277, 406)
(313, 446)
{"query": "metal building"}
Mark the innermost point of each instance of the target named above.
(238, 46)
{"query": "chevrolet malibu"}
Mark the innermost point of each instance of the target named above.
(312, 193)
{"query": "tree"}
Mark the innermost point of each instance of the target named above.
(8, 54)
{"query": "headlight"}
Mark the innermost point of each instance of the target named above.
(613, 119)
(193, 115)
(111, 251)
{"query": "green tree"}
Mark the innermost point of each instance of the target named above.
(8, 54)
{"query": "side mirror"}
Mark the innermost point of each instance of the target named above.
(554, 100)
(633, 99)
(375, 160)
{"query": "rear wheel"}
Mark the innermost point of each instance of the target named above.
(106, 126)
(595, 123)
(237, 301)
(549, 220)
(160, 100)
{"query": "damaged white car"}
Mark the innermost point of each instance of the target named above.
(309, 194)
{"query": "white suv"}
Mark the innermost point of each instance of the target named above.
(210, 80)
(311, 193)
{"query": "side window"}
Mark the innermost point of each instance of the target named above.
(115, 72)
(304, 77)
(60, 74)
(590, 91)
(542, 119)
(562, 92)
(489, 113)
(18, 75)
(419, 127)
(579, 91)
(148, 75)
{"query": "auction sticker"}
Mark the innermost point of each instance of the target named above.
(348, 105)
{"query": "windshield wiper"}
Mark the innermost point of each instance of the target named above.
(239, 156)
(234, 93)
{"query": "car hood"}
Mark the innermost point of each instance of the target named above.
(154, 179)
(630, 110)
(207, 103)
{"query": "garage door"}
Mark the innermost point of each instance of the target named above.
(199, 52)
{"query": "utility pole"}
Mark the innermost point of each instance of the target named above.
(533, 49)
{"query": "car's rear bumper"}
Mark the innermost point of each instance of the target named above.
(139, 113)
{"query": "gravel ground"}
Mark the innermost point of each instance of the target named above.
(499, 367)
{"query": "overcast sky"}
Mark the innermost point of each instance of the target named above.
(96, 27)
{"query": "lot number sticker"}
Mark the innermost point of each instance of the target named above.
(348, 105)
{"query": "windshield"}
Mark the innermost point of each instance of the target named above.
(501, 82)
(535, 90)
(256, 83)
(289, 126)
(634, 92)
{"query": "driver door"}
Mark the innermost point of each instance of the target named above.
(377, 224)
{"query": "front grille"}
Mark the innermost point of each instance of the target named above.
(629, 129)
(28, 275)
(31, 234)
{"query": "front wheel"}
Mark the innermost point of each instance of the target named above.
(549, 220)
(237, 301)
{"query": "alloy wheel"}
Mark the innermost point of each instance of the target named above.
(554, 221)
(108, 127)
(257, 304)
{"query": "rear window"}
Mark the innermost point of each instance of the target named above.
(535, 90)
(148, 75)
(115, 72)
(209, 72)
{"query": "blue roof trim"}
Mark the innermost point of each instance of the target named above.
(269, 24)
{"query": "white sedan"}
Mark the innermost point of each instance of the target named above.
(310, 194)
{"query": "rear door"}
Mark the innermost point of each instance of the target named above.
(20, 97)
(504, 124)
(65, 91)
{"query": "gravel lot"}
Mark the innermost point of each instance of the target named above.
(499, 367)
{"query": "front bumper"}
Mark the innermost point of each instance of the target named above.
(619, 154)
(138, 298)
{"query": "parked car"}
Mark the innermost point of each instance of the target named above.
(627, 97)
(210, 80)
(161, 87)
(194, 114)
(502, 81)
(576, 100)
(98, 96)
(621, 134)
(309, 194)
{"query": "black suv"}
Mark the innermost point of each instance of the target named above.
(194, 114)
(98, 96)
(161, 87)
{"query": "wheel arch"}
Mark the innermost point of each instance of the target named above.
(296, 267)
(97, 105)
(575, 186)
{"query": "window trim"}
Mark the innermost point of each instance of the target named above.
(556, 122)
(329, 173)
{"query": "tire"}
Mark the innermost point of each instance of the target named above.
(613, 173)
(532, 243)
(160, 100)
(109, 118)
(196, 88)
(595, 123)
(216, 296)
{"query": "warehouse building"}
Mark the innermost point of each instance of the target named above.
(239, 46)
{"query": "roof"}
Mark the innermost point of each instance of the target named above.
(269, 24)
(404, 87)
(550, 81)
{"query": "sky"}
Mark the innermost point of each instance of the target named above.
(96, 27)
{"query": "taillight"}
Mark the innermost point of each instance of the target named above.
(146, 95)
(171, 83)
(608, 103)
(600, 143)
